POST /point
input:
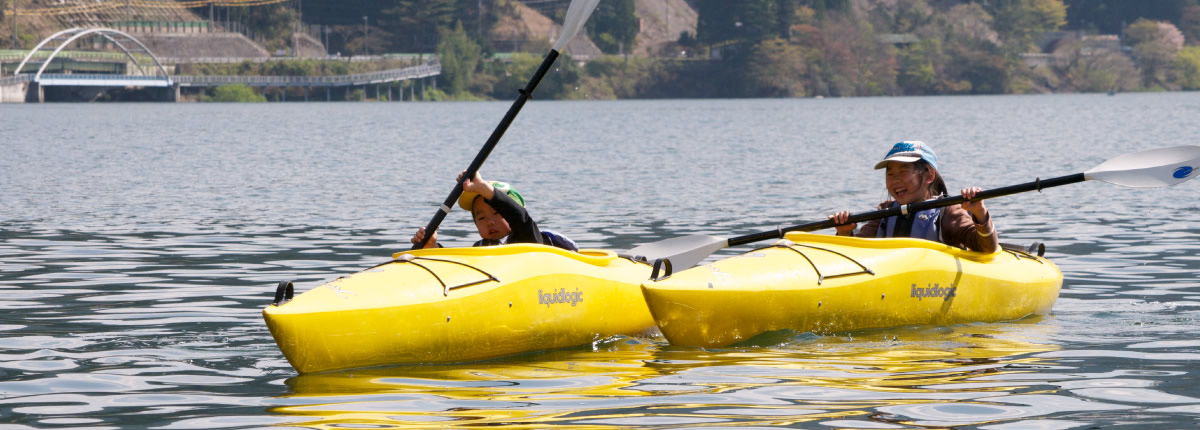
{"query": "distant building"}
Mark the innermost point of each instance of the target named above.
(897, 39)
(1050, 46)
(1100, 43)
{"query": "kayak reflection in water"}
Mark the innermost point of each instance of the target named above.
(912, 177)
(499, 215)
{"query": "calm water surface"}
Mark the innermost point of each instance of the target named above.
(139, 243)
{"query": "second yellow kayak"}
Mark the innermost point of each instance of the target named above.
(824, 284)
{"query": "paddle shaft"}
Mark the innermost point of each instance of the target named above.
(1036, 185)
(525, 95)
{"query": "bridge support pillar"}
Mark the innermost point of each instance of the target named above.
(306, 90)
(35, 93)
(328, 97)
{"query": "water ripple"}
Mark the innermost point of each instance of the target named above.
(133, 269)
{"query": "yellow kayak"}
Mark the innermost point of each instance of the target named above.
(451, 305)
(824, 284)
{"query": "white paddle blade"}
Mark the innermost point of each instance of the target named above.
(684, 252)
(577, 14)
(1150, 169)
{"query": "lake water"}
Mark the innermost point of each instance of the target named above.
(139, 243)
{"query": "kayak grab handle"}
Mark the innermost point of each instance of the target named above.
(1036, 248)
(283, 293)
(665, 266)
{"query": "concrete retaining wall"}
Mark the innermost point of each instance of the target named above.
(201, 45)
(13, 93)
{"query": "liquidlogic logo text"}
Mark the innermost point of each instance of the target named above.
(561, 296)
(932, 291)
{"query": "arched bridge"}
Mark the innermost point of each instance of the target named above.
(147, 75)
(144, 69)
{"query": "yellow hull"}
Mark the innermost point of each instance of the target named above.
(461, 304)
(823, 284)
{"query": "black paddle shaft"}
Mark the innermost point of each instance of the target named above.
(1036, 185)
(524, 95)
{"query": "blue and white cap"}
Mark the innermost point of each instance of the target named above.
(909, 151)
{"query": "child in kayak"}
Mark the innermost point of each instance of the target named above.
(499, 213)
(912, 177)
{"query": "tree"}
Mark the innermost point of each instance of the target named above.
(759, 20)
(715, 21)
(823, 6)
(1170, 35)
(1154, 47)
(972, 22)
(971, 60)
(614, 26)
(1189, 24)
(1097, 71)
(853, 63)
(902, 16)
(744, 21)
(1111, 16)
(236, 93)
(776, 68)
(459, 56)
(1187, 68)
(417, 22)
(1018, 21)
(478, 17)
(1141, 31)
(559, 83)
(273, 24)
(917, 74)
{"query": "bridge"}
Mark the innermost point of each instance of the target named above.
(145, 70)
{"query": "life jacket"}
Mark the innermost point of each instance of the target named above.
(553, 238)
(926, 225)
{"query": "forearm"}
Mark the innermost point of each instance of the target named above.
(869, 229)
(524, 229)
(962, 229)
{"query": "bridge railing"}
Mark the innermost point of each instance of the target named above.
(428, 58)
(76, 55)
(340, 80)
(93, 76)
(17, 55)
(9, 80)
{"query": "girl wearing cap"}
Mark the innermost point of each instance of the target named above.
(911, 177)
(499, 213)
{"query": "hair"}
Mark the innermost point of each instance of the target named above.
(938, 186)
(474, 206)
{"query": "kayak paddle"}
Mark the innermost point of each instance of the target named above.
(1149, 169)
(577, 13)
